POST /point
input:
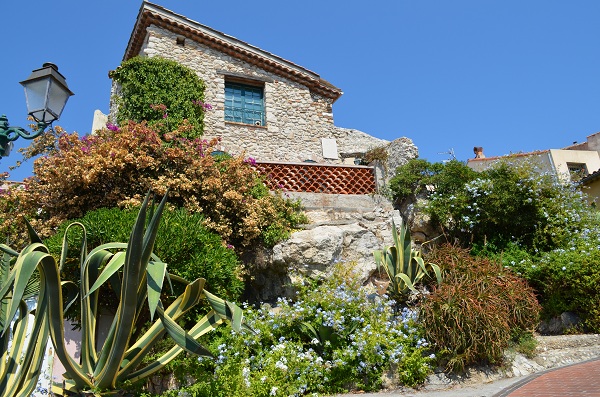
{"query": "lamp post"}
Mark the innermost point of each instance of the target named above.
(46, 93)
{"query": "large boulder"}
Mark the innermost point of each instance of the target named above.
(399, 152)
(310, 251)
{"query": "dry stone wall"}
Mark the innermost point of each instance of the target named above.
(296, 119)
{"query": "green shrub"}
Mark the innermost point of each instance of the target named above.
(335, 337)
(419, 176)
(565, 280)
(511, 202)
(161, 92)
(473, 315)
(188, 248)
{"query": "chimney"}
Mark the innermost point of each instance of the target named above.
(478, 150)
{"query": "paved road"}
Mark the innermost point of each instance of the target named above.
(578, 380)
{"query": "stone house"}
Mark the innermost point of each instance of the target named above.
(265, 106)
(280, 113)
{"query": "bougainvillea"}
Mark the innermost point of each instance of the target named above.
(115, 167)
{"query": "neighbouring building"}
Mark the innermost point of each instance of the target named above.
(579, 162)
(265, 106)
(568, 164)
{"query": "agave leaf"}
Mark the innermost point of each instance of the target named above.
(136, 353)
(114, 265)
(155, 272)
(71, 291)
(9, 370)
(437, 271)
(33, 236)
(179, 335)
(407, 282)
(7, 250)
(209, 322)
(227, 310)
(51, 285)
(116, 346)
(24, 268)
(31, 355)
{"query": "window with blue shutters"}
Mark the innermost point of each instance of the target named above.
(244, 103)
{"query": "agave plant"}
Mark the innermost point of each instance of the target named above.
(136, 276)
(404, 266)
(23, 321)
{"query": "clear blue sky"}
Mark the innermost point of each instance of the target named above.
(510, 75)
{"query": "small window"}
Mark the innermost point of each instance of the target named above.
(244, 104)
(577, 171)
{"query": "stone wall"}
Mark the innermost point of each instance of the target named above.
(296, 119)
(343, 228)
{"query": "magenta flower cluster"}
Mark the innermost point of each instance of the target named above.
(251, 161)
(203, 105)
(87, 142)
(112, 127)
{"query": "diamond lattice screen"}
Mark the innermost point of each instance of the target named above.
(319, 178)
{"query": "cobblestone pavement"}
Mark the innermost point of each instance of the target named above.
(578, 380)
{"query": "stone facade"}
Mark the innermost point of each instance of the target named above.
(298, 103)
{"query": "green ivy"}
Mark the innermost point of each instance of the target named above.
(162, 92)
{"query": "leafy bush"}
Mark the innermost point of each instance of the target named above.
(116, 168)
(565, 279)
(189, 249)
(419, 176)
(162, 92)
(511, 202)
(473, 315)
(333, 338)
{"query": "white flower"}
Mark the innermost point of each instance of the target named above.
(273, 391)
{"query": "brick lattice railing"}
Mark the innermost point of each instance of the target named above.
(319, 178)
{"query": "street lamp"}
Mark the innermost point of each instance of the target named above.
(46, 93)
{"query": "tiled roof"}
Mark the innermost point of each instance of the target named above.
(590, 178)
(483, 159)
(152, 14)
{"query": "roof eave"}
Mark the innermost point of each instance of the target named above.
(152, 14)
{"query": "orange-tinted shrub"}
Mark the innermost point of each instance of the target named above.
(479, 307)
(117, 167)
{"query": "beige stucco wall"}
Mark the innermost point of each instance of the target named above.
(553, 160)
(296, 119)
(561, 157)
(541, 159)
(592, 190)
(593, 142)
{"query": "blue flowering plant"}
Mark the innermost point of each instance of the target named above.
(332, 338)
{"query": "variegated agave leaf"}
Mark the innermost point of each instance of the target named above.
(137, 276)
(404, 266)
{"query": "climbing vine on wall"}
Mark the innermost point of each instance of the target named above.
(162, 92)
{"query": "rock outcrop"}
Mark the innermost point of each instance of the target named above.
(343, 229)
